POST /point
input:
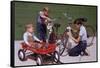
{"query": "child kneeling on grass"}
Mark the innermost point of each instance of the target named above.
(29, 38)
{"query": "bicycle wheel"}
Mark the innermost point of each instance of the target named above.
(62, 44)
(59, 44)
(90, 35)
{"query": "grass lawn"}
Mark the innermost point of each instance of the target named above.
(27, 12)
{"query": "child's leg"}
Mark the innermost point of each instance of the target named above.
(43, 37)
(84, 45)
(32, 44)
(43, 32)
(37, 45)
(75, 51)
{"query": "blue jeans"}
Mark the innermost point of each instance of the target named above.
(78, 49)
(41, 31)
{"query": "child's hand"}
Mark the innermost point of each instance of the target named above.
(41, 41)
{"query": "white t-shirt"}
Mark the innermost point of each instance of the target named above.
(83, 33)
(25, 37)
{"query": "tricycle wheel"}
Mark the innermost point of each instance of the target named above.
(39, 60)
(56, 56)
(21, 55)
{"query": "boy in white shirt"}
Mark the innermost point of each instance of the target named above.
(29, 37)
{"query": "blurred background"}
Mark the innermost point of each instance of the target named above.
(26, 12)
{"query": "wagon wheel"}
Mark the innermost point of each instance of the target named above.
(90, 34)
(21, 55)
(39, 60)
(56, 56)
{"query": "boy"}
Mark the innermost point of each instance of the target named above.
(81, 40)
(30, 38)
(43, 18)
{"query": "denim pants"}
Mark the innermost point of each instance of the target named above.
(78, 49)
(41, 31)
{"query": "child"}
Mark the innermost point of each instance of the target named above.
(43, 18)
(81, 40)
(30, 38)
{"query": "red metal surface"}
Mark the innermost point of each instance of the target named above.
(49, 49)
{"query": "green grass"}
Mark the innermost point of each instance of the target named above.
(27, 12)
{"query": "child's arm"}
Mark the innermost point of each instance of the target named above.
(43, 16)
(35, 38)
(76, 40)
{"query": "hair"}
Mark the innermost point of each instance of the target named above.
(83, 19)
(29, 25)
(80, 21)
(45, 8)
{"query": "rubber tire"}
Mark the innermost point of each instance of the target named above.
(56, 59)
(19, 56)
(93, 33)
(39, 57)
(64, 44)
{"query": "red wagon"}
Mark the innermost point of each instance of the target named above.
(39, 53)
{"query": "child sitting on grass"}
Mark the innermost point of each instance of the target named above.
(29, 38)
